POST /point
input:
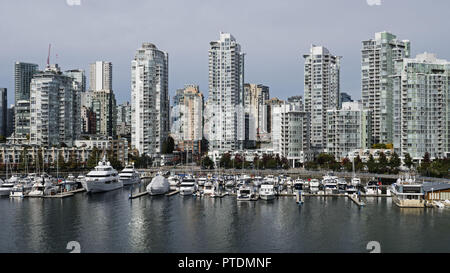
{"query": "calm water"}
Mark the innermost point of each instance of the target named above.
(109, 222)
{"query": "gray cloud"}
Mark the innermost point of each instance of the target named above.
(274, 34)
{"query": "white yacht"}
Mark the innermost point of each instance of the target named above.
(18, 191)
(208, 188)
(314, 185)
(174, 182)
(372, 188)
(103, 178)
(266, 192)
(37, 190)
(6, 188)
(202, 181)
(159, 185)
(244, 193)
(342, 185)
(298, 184)
(356, 181)
(407, 193)
(329, 183)
(129, 175)
(230, 183)
(188, 186)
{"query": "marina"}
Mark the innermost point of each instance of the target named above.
(187, 212)
(110, 222)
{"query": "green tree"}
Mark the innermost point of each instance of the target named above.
(394, 163)
(168, 145)
(408, 161)
(23, 159)
(225, 161)
(347, 164)
(359, 165)
(93, 159)
(424, 167)
(371, 164)
(61, 162)
(115, 163)
(73, 163)
(285, 163)
(207, 163)
(382, 163)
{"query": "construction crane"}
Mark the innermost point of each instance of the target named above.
(48, 56)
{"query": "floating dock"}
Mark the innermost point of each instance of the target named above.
(138, 195)
(356, 200)
(220, 195)
(172, 193)
(60, 195)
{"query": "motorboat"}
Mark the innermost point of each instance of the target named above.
(159, 185)
(174, 182)
(314, 185)
(103, 178)
(188, 186)
(329, 183)
(208, 188)
(298, 184)
(17, 191)
(5, 188)
(266, 192)
(342, 185)
(37, 190)
(372, 188)
(129, 176)
(244, 193)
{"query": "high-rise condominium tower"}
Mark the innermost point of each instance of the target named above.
(422, 107)
(149, 99)
(226, 94)
(79, 78)
(102, 99)
(255, 97)
(23, 73)
(377, 69)
(54, 104)
(321, 91)
(100, 76)
(3, 111)
(187, 114)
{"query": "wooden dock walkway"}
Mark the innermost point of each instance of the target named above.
(220, 195)
(172, 193)
(355, 199)
(138, 195)
(60, 195)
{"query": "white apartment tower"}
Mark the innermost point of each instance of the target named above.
(100, 76)
(102, 99)
(422, 107)
(187, 114)
(290, 133)
(255, 97)
(348, 129)
(377, 69)
(149, 99)
(54, 105)
(226, 94)
(321, 91)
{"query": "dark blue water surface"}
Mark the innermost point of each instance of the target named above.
(110, 222)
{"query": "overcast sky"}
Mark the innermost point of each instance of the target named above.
(273, 34)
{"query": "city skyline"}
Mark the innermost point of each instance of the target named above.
(284, 34)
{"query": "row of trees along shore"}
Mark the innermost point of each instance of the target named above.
(382, 165)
